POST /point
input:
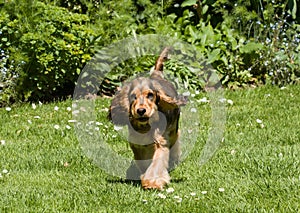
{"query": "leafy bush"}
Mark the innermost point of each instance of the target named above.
(222, 48)
(46, 47)
(81, 6)
(247, 43)
(273, 27)
(254, 52)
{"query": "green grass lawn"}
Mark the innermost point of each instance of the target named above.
(256, 168)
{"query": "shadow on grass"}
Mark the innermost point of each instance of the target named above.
(137, 183)
(133, 179)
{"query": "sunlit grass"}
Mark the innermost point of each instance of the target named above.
(43, 168)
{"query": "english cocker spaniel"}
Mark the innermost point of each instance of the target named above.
(150, 107)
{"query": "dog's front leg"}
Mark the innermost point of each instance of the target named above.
(157, 176)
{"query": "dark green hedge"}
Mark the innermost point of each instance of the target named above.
(44, 45)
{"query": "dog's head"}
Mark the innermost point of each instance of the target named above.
(143, 100)
(140, 100)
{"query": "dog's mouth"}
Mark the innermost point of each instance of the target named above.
(141, 124)
(143, 119)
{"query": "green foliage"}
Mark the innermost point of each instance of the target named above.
(272, 29)
(223, 49)
(252, 43)
(46, 48)
(81, 6)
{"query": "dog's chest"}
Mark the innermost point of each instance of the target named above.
(141, 139)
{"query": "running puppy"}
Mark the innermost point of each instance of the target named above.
(150, 107)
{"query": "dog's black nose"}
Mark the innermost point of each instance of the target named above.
(141, 111)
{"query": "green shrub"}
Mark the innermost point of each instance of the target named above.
(46, 46)
(273, 26)
(246, 42)
(221, 48)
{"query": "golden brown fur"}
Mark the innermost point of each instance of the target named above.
(150, 107)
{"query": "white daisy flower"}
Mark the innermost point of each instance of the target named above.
(170, 190)
(83, 109)
(56, 126)
(33, 106)
(8, 109)
(186, 93)
(179, 200)
(75, 112)
(117, 128)
(203, 100)
(267, 95)
(2, 142)
(69, 109)
(162, 196)
(193, 110)
(90, 122)
(223, 100)
(230, 102)
(221, 190)
(258, 121)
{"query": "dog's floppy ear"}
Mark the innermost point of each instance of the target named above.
(165, 102)
(120, 106)
(167, 97)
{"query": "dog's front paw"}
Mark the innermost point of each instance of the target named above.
(155, 182)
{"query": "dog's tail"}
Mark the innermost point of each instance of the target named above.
(159, 65)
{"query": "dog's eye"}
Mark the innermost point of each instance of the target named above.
(150, 96)
(132, 97)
